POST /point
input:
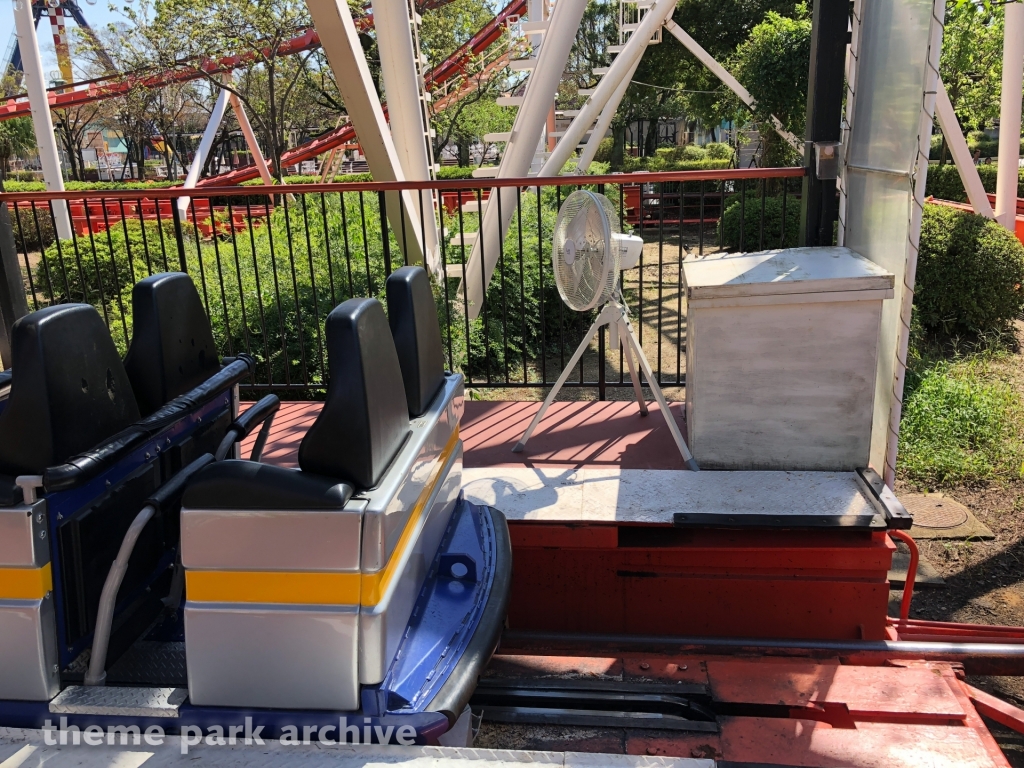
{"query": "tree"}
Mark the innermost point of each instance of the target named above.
(190, 35)
(465, 109)
(71, 126)
(972, 64)
(16, 137)
(773, 65)
(670, 81)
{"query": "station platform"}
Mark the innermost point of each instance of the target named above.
(29, 749)
(611, 534)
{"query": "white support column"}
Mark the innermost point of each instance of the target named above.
(522, 146)
(250, 139)
(624, 63)
(731, 82)
(604, 121)
(42, 123)
(333, 22)
(205, 144)
(405, 112)
(1009, 116)
(962, 154)
(926, 121)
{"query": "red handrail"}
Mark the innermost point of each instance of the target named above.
(721, 174)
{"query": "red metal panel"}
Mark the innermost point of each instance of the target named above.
(549, 535)
(663, 592)
(578, 590)
(869, 745)
(665, 669)
(995, 709)
(867, 692)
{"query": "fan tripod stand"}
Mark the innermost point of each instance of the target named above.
(615, 315)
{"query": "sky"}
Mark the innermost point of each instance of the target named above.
(98, 16)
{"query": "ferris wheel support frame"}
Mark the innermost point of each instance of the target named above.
(521, 148)
(42, 122)
(400, 72)
(340, 40)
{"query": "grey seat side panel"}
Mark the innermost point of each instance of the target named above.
(382, 626)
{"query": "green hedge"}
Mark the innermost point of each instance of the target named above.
(976, 140)
(944, 182)
(969, 273)
(729, 225)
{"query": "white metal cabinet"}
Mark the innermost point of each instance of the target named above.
(781, 353)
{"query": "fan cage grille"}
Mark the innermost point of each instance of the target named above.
(589, 219)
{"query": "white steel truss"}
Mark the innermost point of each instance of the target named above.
(340, 40)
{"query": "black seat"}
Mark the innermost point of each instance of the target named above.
(172, 349)
(353, 441)
(364, 420)
(417, 333)
(71, 391)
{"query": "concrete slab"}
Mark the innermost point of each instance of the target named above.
(927, 574)
(613, 495)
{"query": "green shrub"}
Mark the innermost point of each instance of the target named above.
(604, 150)
(718, 151)
(33, 229)
(944, 183)
(750, 213)
(658, 163)
(961, 424)
(692, 152)
(454, 172)
(24, 186)
(969, 272)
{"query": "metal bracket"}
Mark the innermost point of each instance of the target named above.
(895, 513)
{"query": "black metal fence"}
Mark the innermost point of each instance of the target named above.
(270, 263)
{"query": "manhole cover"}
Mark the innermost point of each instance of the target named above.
(935, 511)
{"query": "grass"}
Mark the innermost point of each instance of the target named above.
(963, 415)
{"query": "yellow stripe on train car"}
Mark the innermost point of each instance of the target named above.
(25, 583)
(319, 587)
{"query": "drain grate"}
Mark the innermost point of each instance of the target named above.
(935, 511)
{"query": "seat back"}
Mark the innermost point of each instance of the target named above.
(172, 349)
(417, 333)
(71, 391)
(365, 418)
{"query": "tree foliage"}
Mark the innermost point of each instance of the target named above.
(187, 34)
(972, 62)
(773, 65)
(16, 137)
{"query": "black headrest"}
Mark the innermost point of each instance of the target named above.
(413, 318)
(365, 419)
(71, 391)
(172, 349)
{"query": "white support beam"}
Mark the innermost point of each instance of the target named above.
(731, 82)
(405, 111)
(620, 70)
(250, 139)
(604, 122)
(527, 130)
(961, 154)
(42, 123)
(333, 22)
(1009, 116)
(205, 144)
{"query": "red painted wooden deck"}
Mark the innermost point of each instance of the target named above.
(573, 434)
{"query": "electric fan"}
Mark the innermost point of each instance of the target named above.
(588, 254)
